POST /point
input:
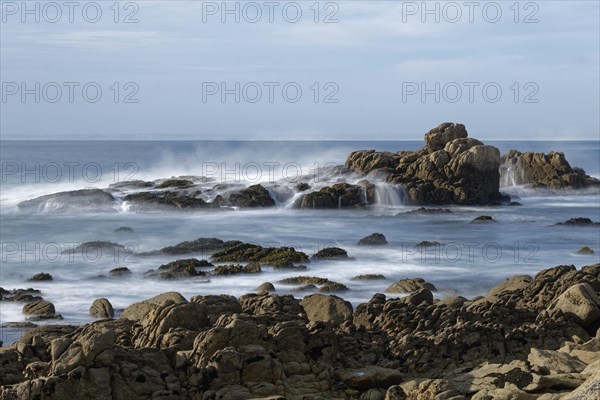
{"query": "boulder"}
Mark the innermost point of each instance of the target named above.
(512, 284)
(137, 311)
(40, 309)
(42, 276)
(580, 301)
(266, 287)
(119, 271)
(408, 285)
(374, 239)
(75, 200)
(339, 195)
(332, 309)
(330, 253)
(101, 308)
(253, 196)
(437, 138)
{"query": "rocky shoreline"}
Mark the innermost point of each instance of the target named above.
(529, 338)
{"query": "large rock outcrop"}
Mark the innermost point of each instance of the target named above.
(551, 171)
(450, 169)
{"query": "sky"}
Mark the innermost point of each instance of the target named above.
(303, 70)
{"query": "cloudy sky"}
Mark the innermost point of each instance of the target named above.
(293, 70)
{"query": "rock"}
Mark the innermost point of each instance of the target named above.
(437, 389)
(550, 171)
(137, 311)
(123, 229)
(368, 277)
(253, 196)
(266, 287)
(408, 285)
(119, 271)
(233, 269)
(96, 248)
(101, 308)
(427, 211)
(333, 287)
(588, 390)
(331, 253)
(181, 269)
(42, 276)
(585, 250)
(513, 284)
(483, 218)
(40, 309)
(200, 245)
(578, 221)
(277, 257)
(419, 296)
(374, 239)
(166, 199)
(437, 138)
(426, 243)
(332, 309)
(339, 195)
(303, 280)
(302, 186)
(369, 377)
(76, 200)
(553, 362)
(580, 301)
(177, 183)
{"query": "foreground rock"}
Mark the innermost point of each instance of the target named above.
(535, 338)
(76, 200)
(101, 308)
(450, 169)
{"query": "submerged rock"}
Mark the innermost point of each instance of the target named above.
(123, 229)
(368, 277)
(483, 219)
(253, 196)
(578, 221)
(331, 253)
(119, 271)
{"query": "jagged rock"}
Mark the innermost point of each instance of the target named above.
(181, 269)
(585, 250)
(333, 287)
(339, 195)
(483, 219)
(581, 301)
(177, 183)
(217, 306)
(39, 308)
(101, 308)
(426, 243)
(42, 276)
(588, 390)
(449, 169)
(374, 239)
(550, 171)
(325, 308)
(200, 245)
(277, 257)
(420, 296)
(408, 285)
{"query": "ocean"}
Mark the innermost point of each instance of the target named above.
(473, 258)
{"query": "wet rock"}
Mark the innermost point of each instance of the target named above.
(175, 183)
(339, 195)
(585, 250)
(368, 277)
(302, 186)
(303, 280)
(181, 269)
(76, 200)
(332, 309)
(427, 243)
(551, 171)
(333, 287)
(330, 253)
(374, 239)
(578, 221)
(483, 219)
(408, 285)
(123, 229)
(39, 310)
(168, 199)
(427, 211)
(233, 269)
(253, 196)
(119, 271)
(266, 287)
(42, 276)
(101, 308)
(277, 257)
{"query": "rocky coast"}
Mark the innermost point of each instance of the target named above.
(531, 337)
